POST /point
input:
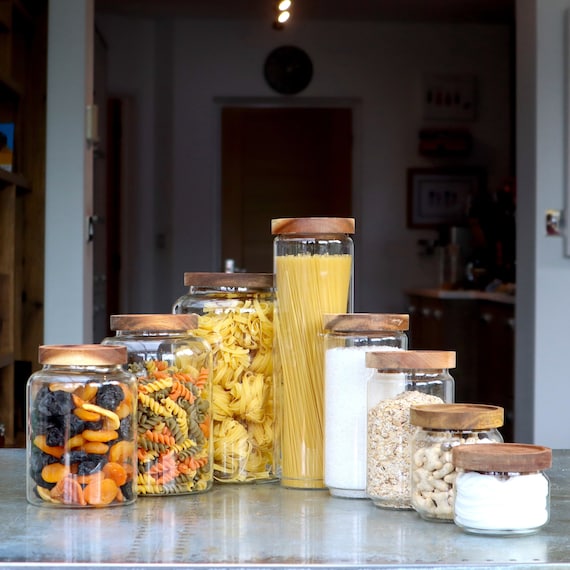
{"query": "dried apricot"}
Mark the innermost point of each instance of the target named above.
(123, 410)
(40, 442)
(122, 451)
(102, 493)
(116, 472)
(86, 392)
(100, 435)
(96, 477)
(54, 472)
(97, 447)
(68, 491)
(113, 417)
(86, 415)
(75, 441)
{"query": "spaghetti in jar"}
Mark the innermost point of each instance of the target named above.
(235, 317)
(313, 267)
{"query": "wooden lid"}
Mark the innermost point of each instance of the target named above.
(411, 359)
(202, 279)
(354, 322)
(167, 322)
(457, 416)
(312, 226)
(82, 354)
(502, 457)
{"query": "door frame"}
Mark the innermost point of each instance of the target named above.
(354, 104)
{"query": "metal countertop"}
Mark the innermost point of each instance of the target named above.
(261, 526)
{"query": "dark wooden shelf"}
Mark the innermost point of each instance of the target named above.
(8, 178)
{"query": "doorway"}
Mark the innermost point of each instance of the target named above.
(277, 163)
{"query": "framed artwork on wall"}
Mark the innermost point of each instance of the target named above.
(441, 196)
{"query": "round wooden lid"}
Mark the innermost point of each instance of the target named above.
(354, 322)
(204, 279)
(411, 359)
(82, 354)
(312, 226)
(502, 457)
(166, 322)
(457, 416)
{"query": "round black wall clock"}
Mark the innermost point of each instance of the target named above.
(288, 70)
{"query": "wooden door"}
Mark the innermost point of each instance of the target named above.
(279, 163)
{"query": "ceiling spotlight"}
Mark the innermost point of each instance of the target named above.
(283, 17)
(284, 5)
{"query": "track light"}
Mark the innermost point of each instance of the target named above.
(283, 13)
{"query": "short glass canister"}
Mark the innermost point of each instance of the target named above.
(401, 379)
(235, 316)
(502, 488)
(439, 428)
(313, 266)
(81, 441)
(348, 337)
(174, 389)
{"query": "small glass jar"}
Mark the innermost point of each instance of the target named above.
(236, 318)
(81, 435)
(174, 417)
(402, 379)
(501, 489)
(440, 427)
(313, 266)
(347, 339)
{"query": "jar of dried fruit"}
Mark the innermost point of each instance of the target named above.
(174, 416)
(81, 440)
(401, 379)
(236, 318)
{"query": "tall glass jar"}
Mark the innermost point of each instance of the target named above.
(401, 379)
(440, 427)
(174, 373)
(81, 435)
(236, 318)
(501, 489)
(348, 337)
(313, 266)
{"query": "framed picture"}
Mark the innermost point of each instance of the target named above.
(441, 196)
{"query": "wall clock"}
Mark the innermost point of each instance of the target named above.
(288, 70)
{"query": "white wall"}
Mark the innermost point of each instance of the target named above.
(69, 174)
(378, 64)
(543, 283)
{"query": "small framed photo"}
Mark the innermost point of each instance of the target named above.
(441, 196)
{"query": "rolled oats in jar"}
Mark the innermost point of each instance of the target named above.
(402, 379)
(440, 427)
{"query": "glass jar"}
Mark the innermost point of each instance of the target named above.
(313, 266)
(501, 489)
(347, 339)
(440, 427)
(174, 382)
(81, 435)
(401, 379)
(236, 318)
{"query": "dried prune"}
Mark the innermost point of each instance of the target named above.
(126, 428)
(127, 490)
(56, 403)
(38, 460)
(87, 463)
(109, 396)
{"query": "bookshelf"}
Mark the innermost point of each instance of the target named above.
(23, 45)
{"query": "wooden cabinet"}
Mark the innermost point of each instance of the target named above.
(22, 202)
(480, 328)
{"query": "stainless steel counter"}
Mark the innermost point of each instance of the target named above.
(261, 526)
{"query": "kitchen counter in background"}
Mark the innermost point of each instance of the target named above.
(261, 526)
(480, 328)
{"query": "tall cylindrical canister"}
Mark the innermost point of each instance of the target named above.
(235, 316)
(313, 266)
(81, 441)
(174, 382)
(402, 379)
(348, 337)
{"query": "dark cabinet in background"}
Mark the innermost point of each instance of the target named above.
(479, 327)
